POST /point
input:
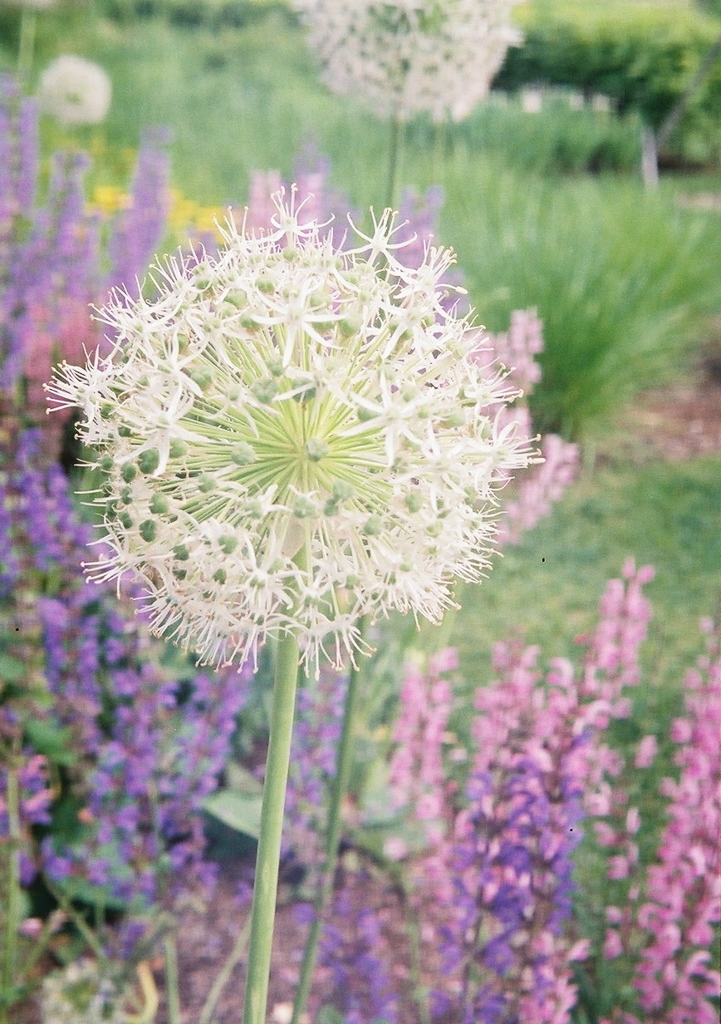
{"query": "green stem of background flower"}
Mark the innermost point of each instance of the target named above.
(339, 789)
(28, 23)
(395, 147)
(12, 907)
(265, 889)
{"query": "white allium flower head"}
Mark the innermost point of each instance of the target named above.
(404, 57)
(294, 437)
(75, 91)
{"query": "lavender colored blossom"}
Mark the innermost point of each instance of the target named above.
(312, 767)
(52, 263)
(140, 227)
(147, 747)
(353, 967)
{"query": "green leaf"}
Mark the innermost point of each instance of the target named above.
(241, 780)
(85, 892)
(329, 1015)
(52, 740)
(12, 669)
(240, 811)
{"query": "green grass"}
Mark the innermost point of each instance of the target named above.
(622, 279)
(547, 589)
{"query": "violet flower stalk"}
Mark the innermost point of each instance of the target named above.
(52, 264)
(667, 919)
(146, 749)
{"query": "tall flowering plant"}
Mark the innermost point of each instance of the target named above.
(528, 501)
(402, 58)
(107, 750)
(57, 256)
(294, 438)
(499, 891)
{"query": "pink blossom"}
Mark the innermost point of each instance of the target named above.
(612, 946)
(646, 752)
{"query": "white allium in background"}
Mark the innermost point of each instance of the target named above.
(79, 995)
(294, 437)
(75, 91)
(35, 5)
(405, 57)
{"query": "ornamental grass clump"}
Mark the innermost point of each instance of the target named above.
(293, 438)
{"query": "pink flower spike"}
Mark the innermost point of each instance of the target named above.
(646, 752)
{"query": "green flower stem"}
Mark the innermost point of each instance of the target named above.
(172, 980)
(28, 22)
(325, 887)
(395, 147)
(271, 830)
(420, 991)
(223, 977)
(12, 906)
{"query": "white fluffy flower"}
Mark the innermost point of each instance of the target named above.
(75, 91)
(408, 56)
(294, 437)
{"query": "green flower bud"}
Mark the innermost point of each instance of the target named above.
(242, 454)
(342, 490)
(228, 544)
(316, 449)
(148, 529)
(237, 298)
(303, 507)
(203, 378)
(264, 390)
(220, 576)
(149, 460)
(178, 448)
(181, 552)
(373, 526)
(159, 504)
(128, 472)
(349, 327)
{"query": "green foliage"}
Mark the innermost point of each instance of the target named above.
(660, 513)
(556, 140)
(643, 56)
(622, 280)
(214, 14)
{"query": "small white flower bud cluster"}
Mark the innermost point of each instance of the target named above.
(294, 437)
(405, 57)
